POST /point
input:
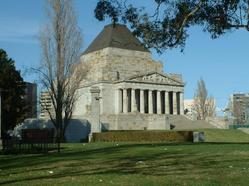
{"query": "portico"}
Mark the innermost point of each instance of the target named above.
(150, 101)
(152, 93)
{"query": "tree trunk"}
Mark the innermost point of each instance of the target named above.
(63, 138)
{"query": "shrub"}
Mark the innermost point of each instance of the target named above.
(144, 136)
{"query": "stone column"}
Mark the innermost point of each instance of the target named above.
(174, 103)
(158, 100)
(95, 111)
(166, 102)
(133, 101)
(141, 101)
(118, 103)
(101, 101)
(181, 103)
(125, 101)
(150, 102)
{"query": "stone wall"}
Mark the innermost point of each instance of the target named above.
(134, 121)
(109, 97)
(107, 100)
(111, 64)
(83, 103)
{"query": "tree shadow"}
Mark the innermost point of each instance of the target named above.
(119, 160)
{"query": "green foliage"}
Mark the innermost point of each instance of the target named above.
(105, 7)
(166, 26)
(13, 111)
(144, 136)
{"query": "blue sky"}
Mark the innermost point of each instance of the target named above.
(222, 63)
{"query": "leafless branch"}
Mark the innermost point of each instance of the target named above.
(60, 42)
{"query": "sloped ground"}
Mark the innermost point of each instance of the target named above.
(225, 136)
(245, 130)
(218, 122)
(183, 123)
(211, 133)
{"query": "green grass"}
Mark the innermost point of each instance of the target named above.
(224, 135)
(221, 163)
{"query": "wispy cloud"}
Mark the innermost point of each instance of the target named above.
(18, 31)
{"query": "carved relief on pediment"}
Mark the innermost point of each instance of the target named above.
(156, 78)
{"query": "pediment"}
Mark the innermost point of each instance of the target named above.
(156, 78)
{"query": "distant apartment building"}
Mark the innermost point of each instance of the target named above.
(30, 99)
(188, 105)
(239, 108)
(45, 105)
(191, 112)
(189, 109)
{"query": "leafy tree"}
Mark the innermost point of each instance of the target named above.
(167, 25)
(12, 84)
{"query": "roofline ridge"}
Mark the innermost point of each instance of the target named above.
(110, 36)
(115, 24)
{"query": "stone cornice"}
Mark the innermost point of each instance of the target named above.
(154, 78)
(151, 83)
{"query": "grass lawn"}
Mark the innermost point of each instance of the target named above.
(225, 135)
(224, 160)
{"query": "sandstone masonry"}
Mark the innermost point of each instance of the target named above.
(135, 94)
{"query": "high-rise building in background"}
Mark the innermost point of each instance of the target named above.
(45, 105)
(239, 108)
(30, 99)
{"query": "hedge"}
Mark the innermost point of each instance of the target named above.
(143, 136)
(238, 126)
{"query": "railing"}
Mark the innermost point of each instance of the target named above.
(20, 146)
(32, 141)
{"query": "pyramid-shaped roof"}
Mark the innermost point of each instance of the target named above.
(117, 36)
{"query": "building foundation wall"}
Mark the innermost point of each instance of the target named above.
(131, 121)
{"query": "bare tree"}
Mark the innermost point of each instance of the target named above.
(211, 107)
(60, 73)
(203, 105)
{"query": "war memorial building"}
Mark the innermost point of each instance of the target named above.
(134, 92)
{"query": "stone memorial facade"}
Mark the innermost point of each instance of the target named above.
(134, 92)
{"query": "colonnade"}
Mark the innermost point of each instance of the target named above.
(150, 101)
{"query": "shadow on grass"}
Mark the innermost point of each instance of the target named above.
(26, 160)
(144, 159)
